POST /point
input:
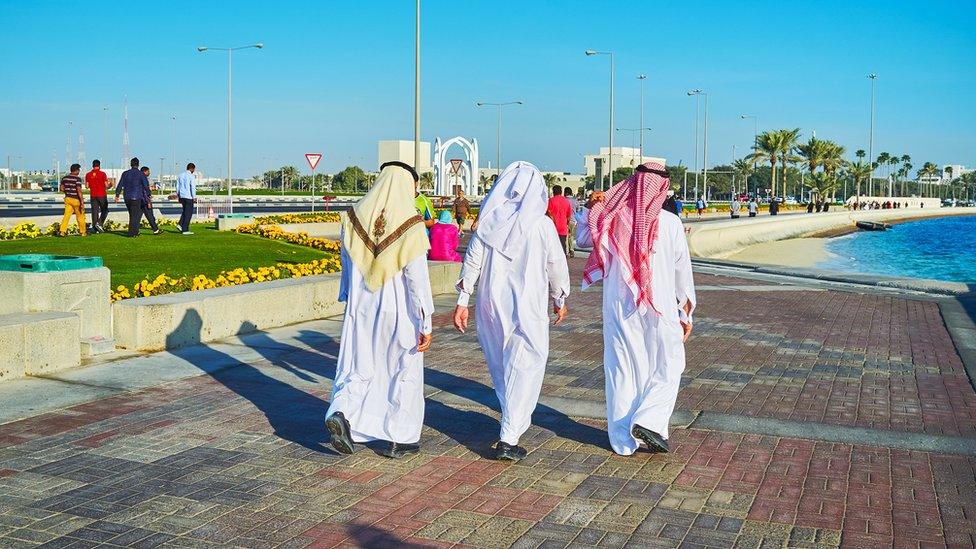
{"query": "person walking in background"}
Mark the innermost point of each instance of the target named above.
(559, 210)
(753, 206)
(461, 208)
(671, 203)
(522, 269)
(641, 255)
(573, 208)
(678, 205)
(444, 239)
(147, 205)
(186, 193)
(97, 183)
(132, 186)
(425, 208)
(734, 207)
(74, 201)
(700, 206)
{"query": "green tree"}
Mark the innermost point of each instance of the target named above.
(426, 181)
(349, 179)
(774, 146)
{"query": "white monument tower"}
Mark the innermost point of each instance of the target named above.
(450, 173)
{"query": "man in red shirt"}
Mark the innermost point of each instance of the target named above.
(560, 210)
(96, 181)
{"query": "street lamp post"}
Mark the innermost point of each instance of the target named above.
(498, 131)
(642, 78)
(176, 166)
(698, 93)
(610, 150)
(230, 118)
(755, 140)
(416, 96)
(871, 77)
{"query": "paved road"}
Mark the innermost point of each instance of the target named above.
(807, 417)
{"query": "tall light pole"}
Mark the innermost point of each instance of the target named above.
(610, 150)
(872, 77)
(697, 93)
(755, 141)
(642, 78)
(498, 131)
(230, 118)
(176, 166)
(416, 96)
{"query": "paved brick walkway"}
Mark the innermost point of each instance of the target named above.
(239, 457)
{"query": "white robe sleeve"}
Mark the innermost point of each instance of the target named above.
(583, 237)
(684, 282)
(474, 259)
(556, 267)
(420, 300)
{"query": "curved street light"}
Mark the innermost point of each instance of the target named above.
(230, 86)
(498, 130)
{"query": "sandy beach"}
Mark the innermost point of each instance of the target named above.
(794, 252)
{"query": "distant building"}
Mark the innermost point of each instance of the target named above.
(957, 170)
(623, 157)
(402, 151)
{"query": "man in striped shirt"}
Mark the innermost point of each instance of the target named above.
(74, 201)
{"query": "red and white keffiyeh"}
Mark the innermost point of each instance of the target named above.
(627, 222)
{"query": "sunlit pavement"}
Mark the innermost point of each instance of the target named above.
(807, 418)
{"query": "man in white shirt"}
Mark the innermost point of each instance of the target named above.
(186, 192)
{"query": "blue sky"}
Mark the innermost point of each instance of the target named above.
(335, 77)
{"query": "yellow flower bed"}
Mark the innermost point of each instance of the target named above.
(29, 229)
(165, 284)
(274, 232)
(323, 217)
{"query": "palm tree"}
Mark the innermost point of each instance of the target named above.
(927, 170)
(881, 161)
(788, 139)
(906, 168)
(858, 171)
(550, 179)
(774, 146)
(892, 164)
(812, 152)
(743, 168)
(426, 181)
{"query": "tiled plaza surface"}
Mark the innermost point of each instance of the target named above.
(240, 457)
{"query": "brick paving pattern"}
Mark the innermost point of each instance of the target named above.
(239, 457)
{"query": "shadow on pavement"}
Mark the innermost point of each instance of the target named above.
(299, 417)
(294, 415)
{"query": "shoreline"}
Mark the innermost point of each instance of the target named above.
(807, 251)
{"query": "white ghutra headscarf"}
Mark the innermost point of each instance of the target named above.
(514, 205)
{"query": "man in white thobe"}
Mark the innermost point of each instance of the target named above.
(520, 262)
(379, 387)
(641, 254)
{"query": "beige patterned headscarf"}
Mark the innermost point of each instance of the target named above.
(383, 232)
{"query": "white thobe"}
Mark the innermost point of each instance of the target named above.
(379, 384)
(513, 317)
(643, 355)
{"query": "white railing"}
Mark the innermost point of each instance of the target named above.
(210, 206)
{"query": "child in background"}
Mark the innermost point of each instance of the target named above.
(444, 239)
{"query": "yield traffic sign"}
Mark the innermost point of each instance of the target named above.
(313, 159)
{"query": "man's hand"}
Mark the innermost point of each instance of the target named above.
(686, 327)
(595, 196)
(423, 343)
(560, 313)
(461, 318)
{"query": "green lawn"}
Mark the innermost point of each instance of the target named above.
(206, 252)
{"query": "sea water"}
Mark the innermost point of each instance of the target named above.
(941, 249)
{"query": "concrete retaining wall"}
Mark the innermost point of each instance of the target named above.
(723, 238)
(83, 292)
(38, 343)
(188, 318)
